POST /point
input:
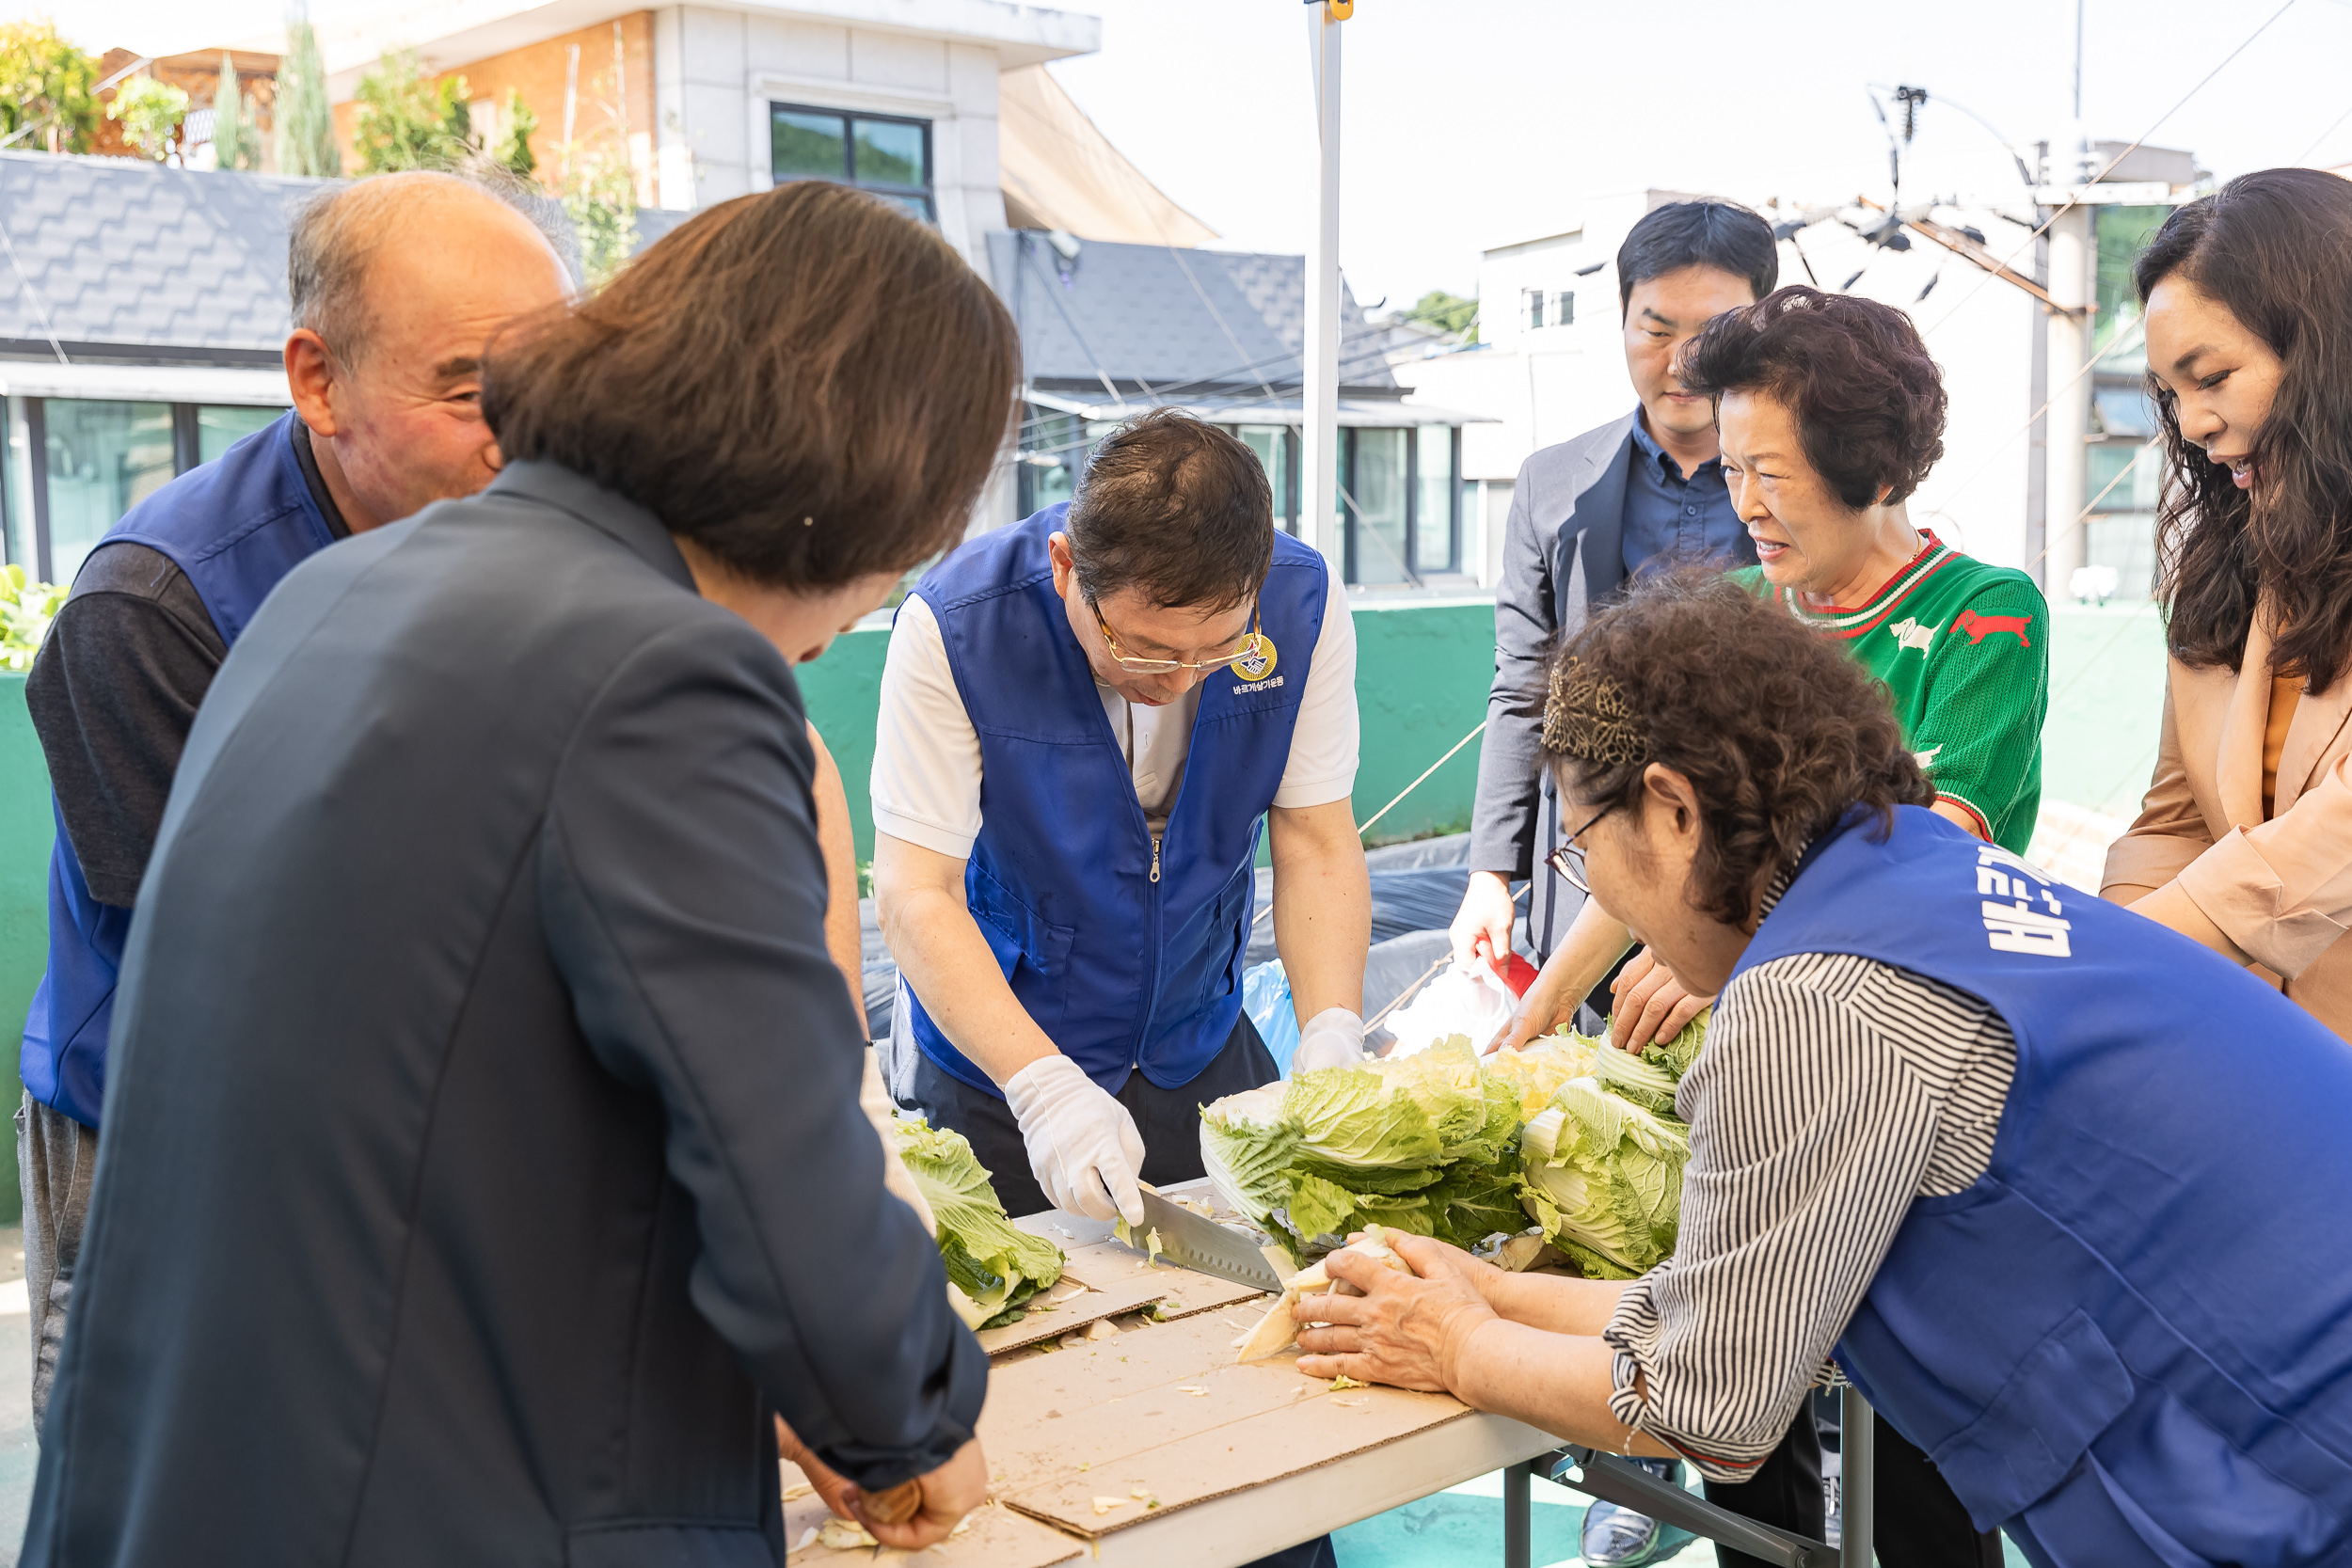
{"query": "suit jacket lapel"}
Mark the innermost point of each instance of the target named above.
(2312, 739)
(1596, 520)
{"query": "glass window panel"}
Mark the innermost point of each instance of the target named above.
(104, 458)
(221, 427)
(2121, 234)
(1433, 509)
(1380, 506)
(919, 205)
(1265, 442)
(16, 472)
(890, 153)
(806, 146)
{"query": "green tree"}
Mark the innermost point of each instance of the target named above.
(515, 130)
(405, 122)
(600, 199)
(305, 121)
(1447, 314)
(45, 84)
(236, 140)
(149, 111)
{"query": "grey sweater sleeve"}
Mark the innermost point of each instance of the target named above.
(112, 695)
(685, 898)
(1510, 756)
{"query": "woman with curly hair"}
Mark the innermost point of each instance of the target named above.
(2244, 841)
(1978, 1135)
(1831, 413)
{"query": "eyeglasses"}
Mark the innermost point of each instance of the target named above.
(1568, 862)
(1162, 666)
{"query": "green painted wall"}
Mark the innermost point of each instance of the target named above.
(2107, 706)
(27, 830)
(1422, 674)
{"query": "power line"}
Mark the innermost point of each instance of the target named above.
(2075, 201)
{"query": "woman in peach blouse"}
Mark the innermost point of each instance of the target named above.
(2244, 841)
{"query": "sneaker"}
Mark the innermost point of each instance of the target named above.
(1618, 1537)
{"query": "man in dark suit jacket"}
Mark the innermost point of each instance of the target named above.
(1626, 497)
(484, 1169)
(1631, 496)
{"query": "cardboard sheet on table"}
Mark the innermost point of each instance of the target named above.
(999, 1538)
(1105, 1264)
(1124, 1411)
(1077, 1311)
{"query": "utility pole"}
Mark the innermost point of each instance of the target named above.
(2066, 543)
(1319, 454)
(2069, 433)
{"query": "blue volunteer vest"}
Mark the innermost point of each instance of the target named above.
(1126, 959)
(235, 526)
(2130, 1343)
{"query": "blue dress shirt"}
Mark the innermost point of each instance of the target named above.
(1670, 516)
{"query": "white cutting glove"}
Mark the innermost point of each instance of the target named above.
(1083, 1145)
(1333, 1038)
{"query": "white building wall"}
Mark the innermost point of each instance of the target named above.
(1545, 384)
(716, 73)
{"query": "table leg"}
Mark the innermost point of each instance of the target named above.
(1856, 1451)
(1519, 1539)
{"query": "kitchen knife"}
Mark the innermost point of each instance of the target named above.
(1194, 1241)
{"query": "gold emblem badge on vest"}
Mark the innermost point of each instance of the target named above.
(1255, 668)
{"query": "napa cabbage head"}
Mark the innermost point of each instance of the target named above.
(1603, 1177)
(1382, 1141)
(993, 1266)
(1543, 1064)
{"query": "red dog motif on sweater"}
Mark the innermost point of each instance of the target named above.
(1979, 628)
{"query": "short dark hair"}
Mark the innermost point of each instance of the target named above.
(1176, 507)
(1780, 734)
(809, 383)
(1868, 398)
(1720, 234)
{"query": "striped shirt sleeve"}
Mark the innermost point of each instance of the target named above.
(1833, 1090)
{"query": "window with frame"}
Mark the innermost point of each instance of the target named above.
(881, 153)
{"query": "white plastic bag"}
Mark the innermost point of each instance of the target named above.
(1464, 999)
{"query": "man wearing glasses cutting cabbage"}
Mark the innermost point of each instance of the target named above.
(1083, 718)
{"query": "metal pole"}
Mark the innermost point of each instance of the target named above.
(1519, 1542)
(2069, 431)
(1856, 1463)
(1318, 519)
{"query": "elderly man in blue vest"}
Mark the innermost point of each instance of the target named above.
(1085, 718)
(395, 283)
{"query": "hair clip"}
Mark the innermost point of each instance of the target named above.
(1588, 717)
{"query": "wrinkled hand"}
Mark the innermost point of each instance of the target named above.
(949, 1493)
(1406, 1331)
(1540, 1011)
(1083, 1145)
(831, 1485)
(1650, 1004)
(1482, 931)
(1333, 1038)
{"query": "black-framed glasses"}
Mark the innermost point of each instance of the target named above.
(1568, 862)
(1242, 650)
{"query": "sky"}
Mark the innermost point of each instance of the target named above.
(1472, 122)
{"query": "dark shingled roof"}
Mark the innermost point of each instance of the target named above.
(1195, 323)
(130, 260)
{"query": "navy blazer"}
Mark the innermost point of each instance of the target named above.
(483, 1160)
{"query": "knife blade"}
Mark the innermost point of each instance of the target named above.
(1205, 1247)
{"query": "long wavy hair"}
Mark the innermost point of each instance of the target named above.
(2275, 248)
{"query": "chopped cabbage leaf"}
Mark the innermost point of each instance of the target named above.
(993, 1266)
